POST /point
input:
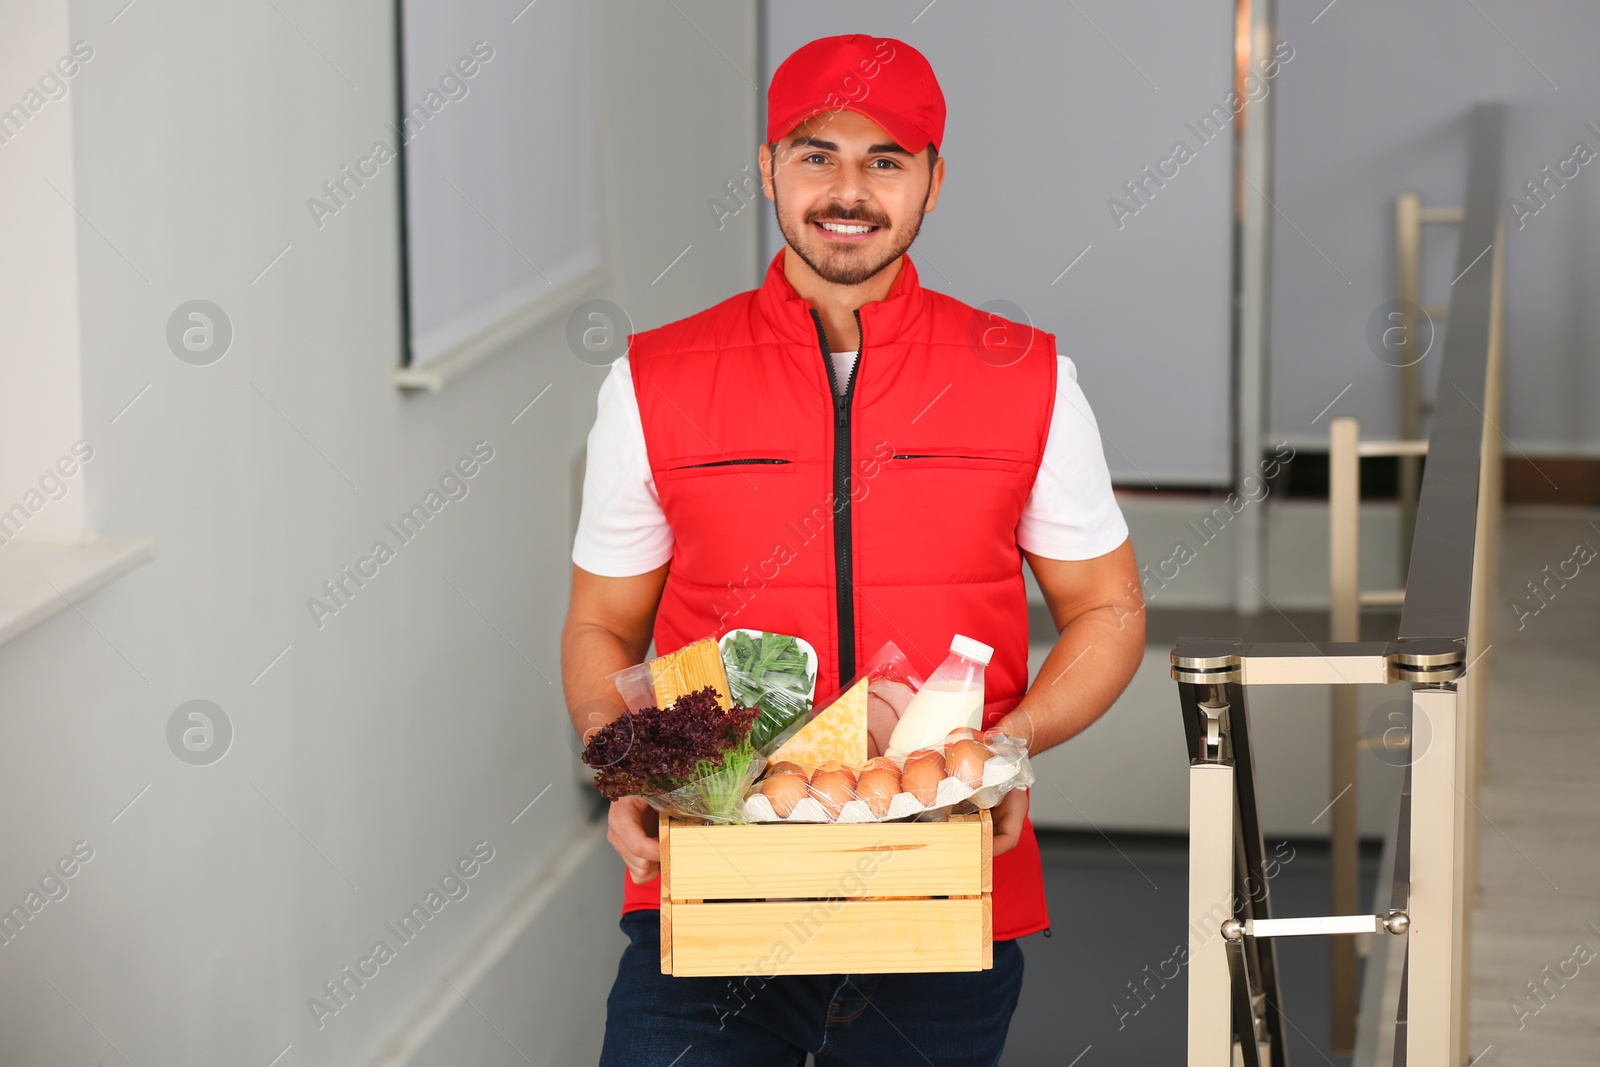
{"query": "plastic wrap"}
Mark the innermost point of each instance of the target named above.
(775, 673)
(714, 797)
(930, 781)
(893, 682)
(690, 758)
(663, 679)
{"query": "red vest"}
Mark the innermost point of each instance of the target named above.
(889, 515)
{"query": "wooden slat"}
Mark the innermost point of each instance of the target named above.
(666, 897)
(666, 937)
(838, 937)
(666, 855)
(987, 878)
(759, 860)
(988, 932)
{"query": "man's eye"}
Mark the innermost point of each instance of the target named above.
(816, 157)
(888, 163)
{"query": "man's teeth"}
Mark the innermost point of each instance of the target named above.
(845, 227)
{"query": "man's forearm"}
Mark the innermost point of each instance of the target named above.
(608, 627)
(589, 655)
(1091, 664)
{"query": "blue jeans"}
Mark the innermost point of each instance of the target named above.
(949, 1018)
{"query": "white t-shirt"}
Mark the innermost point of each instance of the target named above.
(1071, 512)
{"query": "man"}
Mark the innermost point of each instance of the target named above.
(845, 456)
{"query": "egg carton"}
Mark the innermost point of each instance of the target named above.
(1000, 774)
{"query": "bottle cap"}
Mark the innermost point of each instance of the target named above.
(970, 648)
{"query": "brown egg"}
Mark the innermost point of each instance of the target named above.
(965, 759)
(962, 733)
(879, 782)
(834, 785)
(923, 772)
(784, 791)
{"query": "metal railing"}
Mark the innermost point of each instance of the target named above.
(1345, 601)
(1235, 1005)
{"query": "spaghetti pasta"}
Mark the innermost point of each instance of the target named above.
(694, 666)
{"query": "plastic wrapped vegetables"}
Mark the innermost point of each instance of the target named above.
(771, 672)
(689, 758)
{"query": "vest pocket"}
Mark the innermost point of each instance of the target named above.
(772, 461)
(726, 463)
(974, 459)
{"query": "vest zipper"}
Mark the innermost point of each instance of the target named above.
(844, 603)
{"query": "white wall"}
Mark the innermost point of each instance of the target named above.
(40, 384)
(426, 714)
(1376, 101)
(1052, 107)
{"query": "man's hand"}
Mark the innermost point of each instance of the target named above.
(1008, 816)
(634, 831)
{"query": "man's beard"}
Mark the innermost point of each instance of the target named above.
(851, 273)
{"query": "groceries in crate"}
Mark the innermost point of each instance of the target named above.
(865, 713)
(690, 757)
(967, 766)
(887, 699)
(887, 746)
(656, 683)
(952, 698)
(774, 672)
(838, 733)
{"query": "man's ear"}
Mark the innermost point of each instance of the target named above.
(935, 180)
(765, 162)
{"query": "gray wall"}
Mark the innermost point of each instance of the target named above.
(1376, 101)
(426, 714)
(1047, 120)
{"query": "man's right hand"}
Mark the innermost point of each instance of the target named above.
(634, 831)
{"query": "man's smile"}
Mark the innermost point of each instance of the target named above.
(848, 232)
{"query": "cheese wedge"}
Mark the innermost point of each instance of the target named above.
(838, 732)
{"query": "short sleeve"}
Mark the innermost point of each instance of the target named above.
(622, 530)
(1072, 512)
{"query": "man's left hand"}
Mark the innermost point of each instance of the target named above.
(1007, 816)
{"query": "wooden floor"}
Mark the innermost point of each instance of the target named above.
(1539, 903)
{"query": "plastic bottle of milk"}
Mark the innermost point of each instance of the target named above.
(951, 698)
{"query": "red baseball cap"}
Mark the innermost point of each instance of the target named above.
(886, 80)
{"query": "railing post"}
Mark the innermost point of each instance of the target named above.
(1344, 619)
(1433, 1038)
(1408, 272)
(1211, 896)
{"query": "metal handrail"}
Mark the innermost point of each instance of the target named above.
(1439, 583)
(1234, 1007)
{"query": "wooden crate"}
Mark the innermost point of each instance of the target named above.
(862, 898)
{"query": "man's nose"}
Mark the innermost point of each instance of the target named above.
(847, 190)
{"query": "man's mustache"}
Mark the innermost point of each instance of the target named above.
(856, 214)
